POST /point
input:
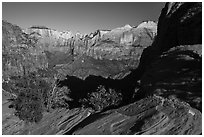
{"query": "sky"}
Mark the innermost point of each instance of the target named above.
(80, 17)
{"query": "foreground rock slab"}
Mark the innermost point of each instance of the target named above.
(59, 122)
(149, 116)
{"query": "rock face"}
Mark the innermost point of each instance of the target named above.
(17, 54)
(40, 47)
(177, 73)
(172, 65)
(50, 39)
(100, 44)
(117, 51)
(149, 116)
(59, 121)
(179, 24)
(169, 72)
(123, 43)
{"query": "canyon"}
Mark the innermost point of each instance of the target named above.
(156, 67)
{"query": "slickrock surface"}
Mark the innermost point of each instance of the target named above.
(59, 121)
(149, 116)
(153, 115)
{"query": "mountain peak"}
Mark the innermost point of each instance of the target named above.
(38, 27)
(127, 26)
(147, 24)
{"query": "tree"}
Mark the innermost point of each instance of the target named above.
(30, 102)
(28, 106)
(103, 98)
(60, 97)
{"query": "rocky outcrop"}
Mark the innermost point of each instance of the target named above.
(124, 42)
(11, 35)
(114, 44)
(40, 47)
(149, 116)
(179, 24)
(113, 54)
(59, 121)
(107, 53)
(172, 65)
(169, 72)
(177, 73)
(50, 39)
(19, 53)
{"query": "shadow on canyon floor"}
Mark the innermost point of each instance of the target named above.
(128, 86)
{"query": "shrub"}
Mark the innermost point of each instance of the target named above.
(36, 95)
(28, 105)
(60, 97)
(32, 95)
(102, 98)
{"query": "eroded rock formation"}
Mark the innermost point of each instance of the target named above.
(172, 65)
(149, 116)
(108, 44)
(169, 73)
(42, 48)
(179, 24)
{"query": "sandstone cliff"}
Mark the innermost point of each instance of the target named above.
(43, 48)
(168, 74)
(112, 44)
(172, 66)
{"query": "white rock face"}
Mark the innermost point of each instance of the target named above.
(127, 38)
(50, 33)
(103, 32)
(127, 26)
(115, 42)
(147, 24)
